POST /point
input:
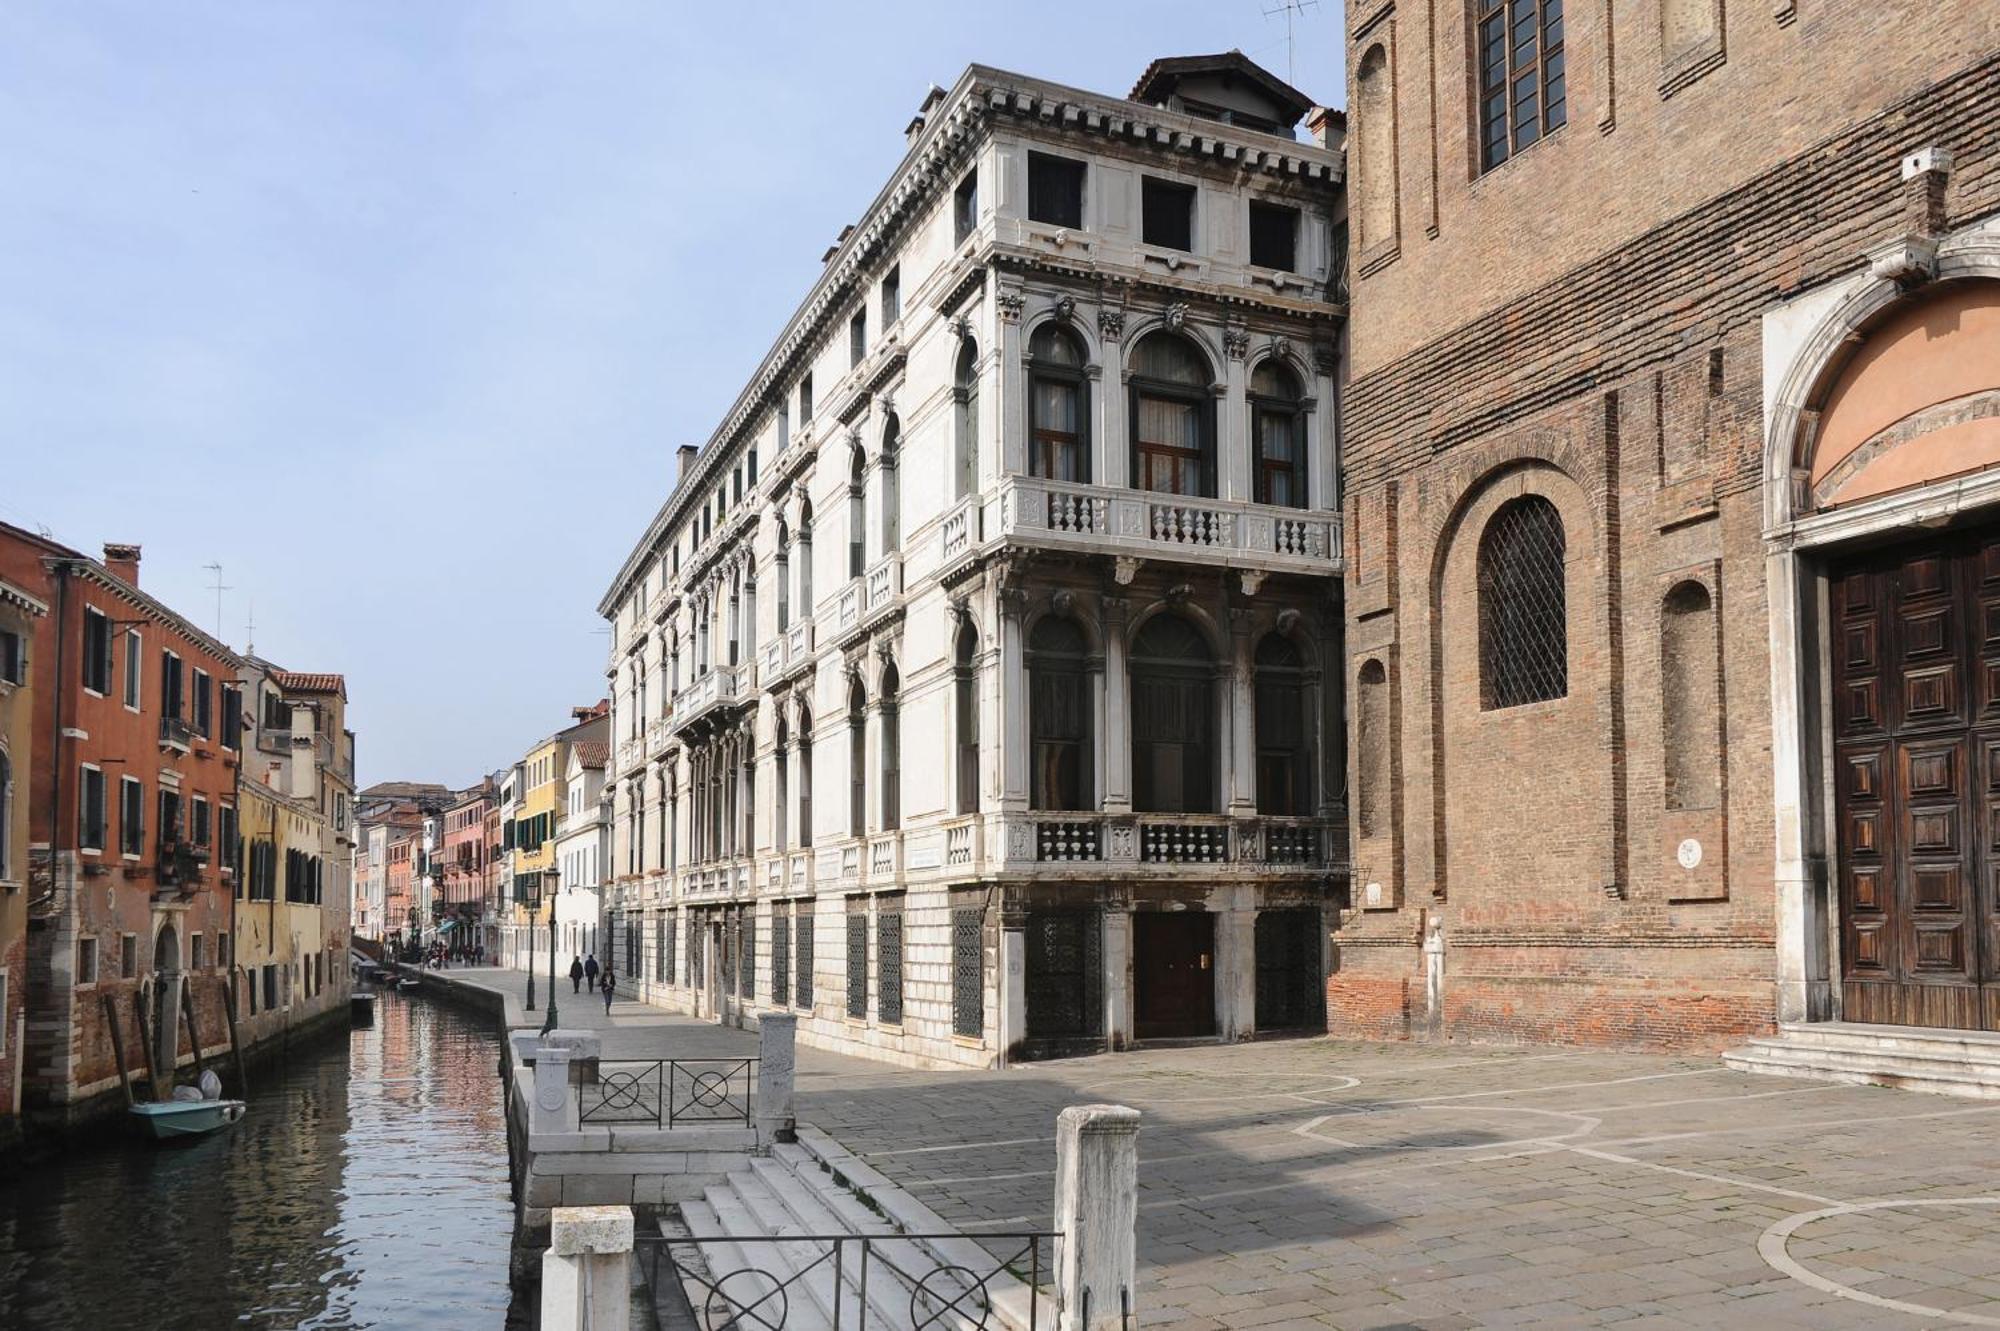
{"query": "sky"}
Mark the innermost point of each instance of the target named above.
(398, 309)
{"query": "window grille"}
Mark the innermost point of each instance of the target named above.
(968, 979)
(747, 963)
(781, 956)
(802, 987)
(729, 953)
(889, 966)
(857, 963)
(1523, 607)
(668, 955)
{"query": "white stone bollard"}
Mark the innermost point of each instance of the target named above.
(777, 1040)
(554, 1109)
(587, 1271)
(1097, 1214)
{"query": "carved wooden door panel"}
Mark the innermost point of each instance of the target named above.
(1915, 710)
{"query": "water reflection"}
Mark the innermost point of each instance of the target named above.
(367, 1187)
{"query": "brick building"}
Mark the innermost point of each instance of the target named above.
(20, 674)
(1674, 392)
(130, 904)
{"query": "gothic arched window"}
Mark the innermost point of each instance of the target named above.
(965, 689)
(1523, 606)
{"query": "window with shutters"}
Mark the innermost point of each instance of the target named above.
(1522, 82)
(1059, 715)
(135, 654)
(131, 816)
(889, 963)
(1058, 405)
(96, 651)
(968, 977)
(90, 811)
(857, 962)
(1523, 606)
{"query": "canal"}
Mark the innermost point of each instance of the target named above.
(366, 1187)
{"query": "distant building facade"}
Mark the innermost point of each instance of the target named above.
(21, 672)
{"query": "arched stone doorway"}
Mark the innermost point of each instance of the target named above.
(1883, 573)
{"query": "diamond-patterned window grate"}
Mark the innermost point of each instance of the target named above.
(1523, 606)
(857, 964)
(668, 950)
(747, 963)
(889, 967)
(781, 956)
(802, 987)
(968, 979)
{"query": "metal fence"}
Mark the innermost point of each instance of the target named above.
(671, 1091)
(858, 1275)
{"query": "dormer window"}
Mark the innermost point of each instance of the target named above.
(1055, 190)
(1274, 236)
(1167, 212)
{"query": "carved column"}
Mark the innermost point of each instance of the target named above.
(1115, 788)
(1014, 701)
(1012, 382)
(1240, 718)
(1323, 437)
(1111, 465)
(1232, 434)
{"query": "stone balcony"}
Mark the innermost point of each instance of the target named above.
(786, 654)
(868, 597)
(1086, 843)
(723, 687)
(1141, 525)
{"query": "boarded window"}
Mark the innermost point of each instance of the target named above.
(1690, 688)
(1375, 130)
(1371, 738)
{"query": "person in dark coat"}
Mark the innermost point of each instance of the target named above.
(590, 970)
(576, 975)
(610, 984)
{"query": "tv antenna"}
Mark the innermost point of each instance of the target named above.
(250, 631)
(1291, 9)
(219, 588)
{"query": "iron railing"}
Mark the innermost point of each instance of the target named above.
(761, 1296)
(671, 1091)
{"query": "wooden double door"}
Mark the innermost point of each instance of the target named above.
(1915, 641)
(1173, 968)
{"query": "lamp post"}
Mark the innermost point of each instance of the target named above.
(550, 1023)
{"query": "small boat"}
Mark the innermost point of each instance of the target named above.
(190, 1113)
(409, 982)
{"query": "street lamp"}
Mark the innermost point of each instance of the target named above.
(550, 1023)
(531, 963)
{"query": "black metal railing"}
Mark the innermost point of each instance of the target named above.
(860, 1275)
(672, 1091)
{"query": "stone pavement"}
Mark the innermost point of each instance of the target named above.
(1325, 1183)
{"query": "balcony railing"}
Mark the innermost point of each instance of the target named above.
(959, 531)
(1135, 840)
(720, 687)
(1137, 522)
(176, 732)
(789, 651)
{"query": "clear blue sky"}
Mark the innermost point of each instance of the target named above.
(398, 308)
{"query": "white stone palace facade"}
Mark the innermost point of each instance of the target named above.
(975, 692)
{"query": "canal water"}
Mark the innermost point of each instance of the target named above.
(366, 1187)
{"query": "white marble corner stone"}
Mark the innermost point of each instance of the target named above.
(574, 1230)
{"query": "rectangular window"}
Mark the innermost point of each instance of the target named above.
(230, 853)
(86, 961)
(90, 810)
(135, 654)
(965, 208)
(198, 821)
(204, 703)
(131, 816)
(802, 971)
(170, 684)
(13, 658)
(857, 962)
(96, 651)
(889, 963)
(857, 338)
(1274, 236)
(232, 716)
(197, 955)
(892, 296)
(1167, 214)
(3, 1007)
(128, 956)
(1055, 190)
(968, 980)
(781, 955)
(170, 816)
(1522, 85)
(805, 398)
(746, 962)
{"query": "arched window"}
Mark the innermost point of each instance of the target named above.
(1173, 417)
(1523, 606)
(781, 814)
(1690, 699)
(965, 394)
(1173, 718)
(1058, 406)
(892, 496)
(1286, 729)
(1059, 716)
(857, 760)
(857, 514)
(1278, 433)
(892, 752)
(735, 618)
(965, 707)
(805, 777)
(806, 558)
(1371, 742)
(784, 576)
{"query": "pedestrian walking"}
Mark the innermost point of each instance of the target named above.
(610, 983)
(590, 969)
(576, 975)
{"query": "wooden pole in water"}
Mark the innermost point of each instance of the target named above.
(118, 1047)
(146, 1042)
(235, 1046)
(194, 1036)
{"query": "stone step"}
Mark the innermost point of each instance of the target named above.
(1865, 1066)
(761, 1268)
(782, 1204)
(1967, 1046)
(715, 1254)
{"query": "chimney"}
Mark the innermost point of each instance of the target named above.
(914, 130)
(1327, 127)
(686, 454)
(1926, 179)
(123, 561)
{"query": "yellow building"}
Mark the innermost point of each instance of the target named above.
(533, 796)
(289, 970)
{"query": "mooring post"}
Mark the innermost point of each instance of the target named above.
(587, 1270)
(777, 1040)
(1097, 1215)
(118, 1047)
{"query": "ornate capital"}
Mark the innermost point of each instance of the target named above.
(1009, 301)
(1325, 359)
(1111, 324)
(1235, 341)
